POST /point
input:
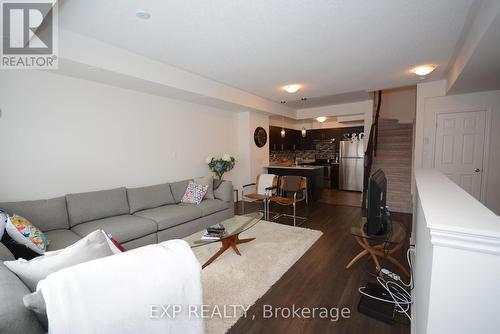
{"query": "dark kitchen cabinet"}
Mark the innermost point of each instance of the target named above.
(335, 176)
(294, 141)
(291, 141)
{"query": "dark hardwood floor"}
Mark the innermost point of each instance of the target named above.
(341, 197)
(319, 278)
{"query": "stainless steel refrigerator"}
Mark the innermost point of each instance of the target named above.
(351, 165)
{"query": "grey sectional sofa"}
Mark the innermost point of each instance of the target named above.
(134, 216)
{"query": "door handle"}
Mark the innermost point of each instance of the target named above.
(477, 170)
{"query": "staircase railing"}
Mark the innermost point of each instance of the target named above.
(371, 148)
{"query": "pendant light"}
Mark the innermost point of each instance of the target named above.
(303, 131)
(283, 133)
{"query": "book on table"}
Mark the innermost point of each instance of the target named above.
(213, 233)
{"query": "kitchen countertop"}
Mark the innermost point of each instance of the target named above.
(295, 167)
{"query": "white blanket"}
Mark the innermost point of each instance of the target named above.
(131, 292)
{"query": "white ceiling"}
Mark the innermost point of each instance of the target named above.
(482, 70)
(332, 47)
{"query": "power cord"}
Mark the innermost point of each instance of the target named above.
(398, 290)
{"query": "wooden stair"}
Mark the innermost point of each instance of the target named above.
(394, 157)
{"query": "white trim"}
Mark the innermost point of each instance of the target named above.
(486, 158)
(454, 217)
(465, 241)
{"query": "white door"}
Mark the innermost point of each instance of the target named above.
(460, 148)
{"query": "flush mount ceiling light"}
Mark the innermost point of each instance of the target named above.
(291, 88)
(142, 14)
(321, 119)
(423, 70)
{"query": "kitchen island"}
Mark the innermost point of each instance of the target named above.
(314, 176)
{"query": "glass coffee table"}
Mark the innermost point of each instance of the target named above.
(234, 226)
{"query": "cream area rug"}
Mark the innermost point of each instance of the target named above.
(241, 280)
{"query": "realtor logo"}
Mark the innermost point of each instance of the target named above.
(29, 34)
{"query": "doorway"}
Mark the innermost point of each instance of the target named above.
(460, 149)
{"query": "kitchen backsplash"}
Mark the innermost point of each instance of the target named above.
(323, 149)
(289, 156)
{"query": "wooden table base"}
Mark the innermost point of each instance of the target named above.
(377, 251)
(232, 242)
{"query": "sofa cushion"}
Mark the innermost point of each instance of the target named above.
(14, 317)
(224, 191)
(171, 215)
(123, 228)
(179, 189)
(84, 207)
(149, 197)
(209, 206)
(47, 214)
(61, 239)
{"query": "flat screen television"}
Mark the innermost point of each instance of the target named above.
(377, 192)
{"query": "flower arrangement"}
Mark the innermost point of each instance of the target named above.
(221, 165)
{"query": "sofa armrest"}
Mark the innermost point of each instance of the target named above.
(14, 316)
(225, 191)
(5, 254)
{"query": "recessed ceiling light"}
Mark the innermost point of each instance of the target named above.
(423, 70)
(291, 88)
(282, 102)
(142, 14)
(321, 119)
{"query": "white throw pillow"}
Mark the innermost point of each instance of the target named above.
(93, 246)
(3, 221)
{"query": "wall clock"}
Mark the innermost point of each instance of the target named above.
(260, 137)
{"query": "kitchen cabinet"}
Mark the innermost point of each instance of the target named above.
(293, 139)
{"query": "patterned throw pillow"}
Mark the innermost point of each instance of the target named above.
(194, 193)
(22, 231)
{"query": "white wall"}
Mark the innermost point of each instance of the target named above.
(253, 158)
(489, 101)
(59, 135)
(399, 103)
